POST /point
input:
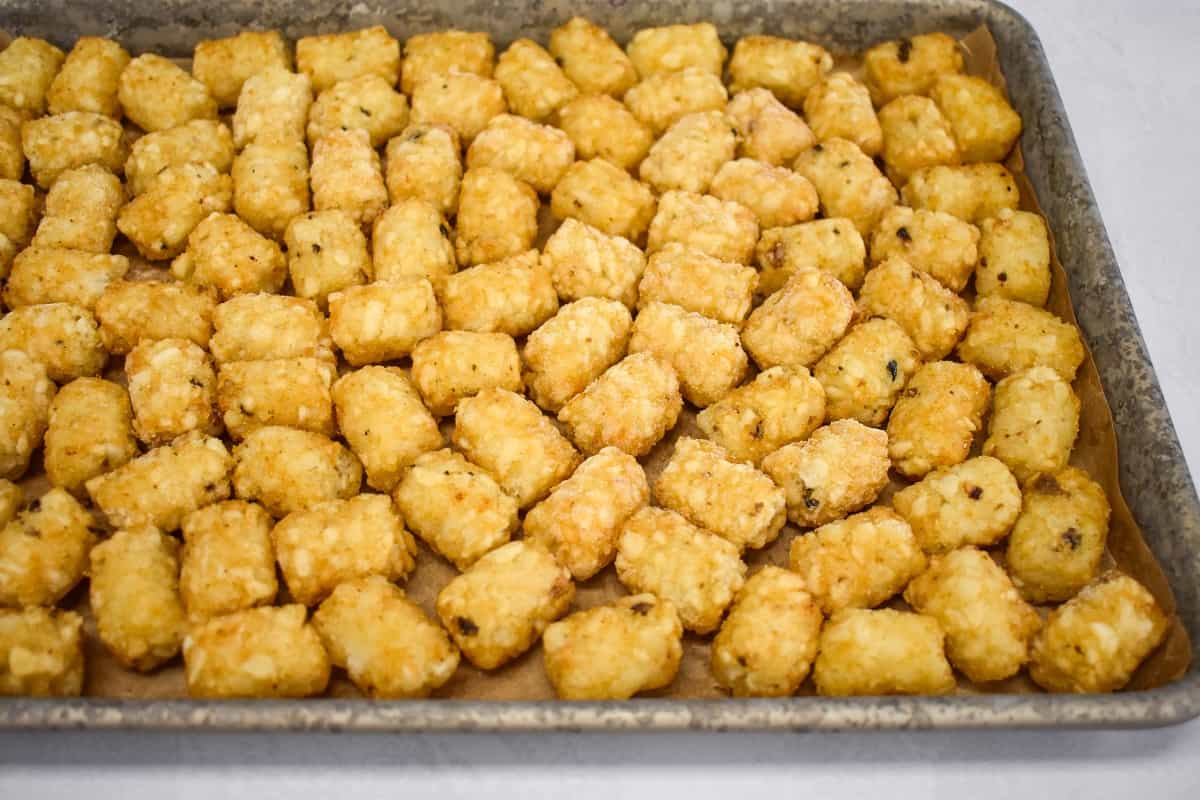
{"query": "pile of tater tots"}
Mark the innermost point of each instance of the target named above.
(271, 322)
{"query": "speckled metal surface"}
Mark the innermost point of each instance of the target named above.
(1154, 475)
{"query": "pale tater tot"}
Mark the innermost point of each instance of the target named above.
(289, 470)
(133, 592)
(882, 652)
(915, 136)
(341, 540)
(346, 175)
(43, 275)
(731, 499)
(1095, 641)
(453, 365)
(910, 66)
(936, 419)
(631, 406)
(384, 641)
(381, 417)
(335, 57)
(1035, 418)
(972, 192)
(833, 245)
(270, 185)
(662, 99)
(839, 107)
(848, 182)
(988, 626)
(159, 220)
(670, 48)
(1014, 257)
(604, 196)
(293, 392)
(935, 242)
(586, 262)
(1007, 336)
(972, 503)
(601, 127)
(568, 351)
(423, 163)
(534, 85)
(19, 209)
(614, 651)
(224, 65)
(130, 312)
(326, 252)
(172, 389)
(27, 69)
(580, 520)
(787, 67)
(157, 94)
(767, 130)
(513, 296)
(537, 154)
(41, 653)
(1058, 540)
(776, 195)
(461, 100)
(259, 652)
(368, 102)
(933, 316)
(383, 321)
(984, 123)
(796, 325)
(455, 507)
(498, 607)
(71, 139)
(90, 433)
(591, 59)
(228, 562)
(410, 240)
(661, 553)
(719, 228)
(508, 436)
(866, 370)
(706, 355)
(497, 217)
(254, 327)
(81, 211)
(781, 405)
(227, 254)
(12, 154)
(61, 336)
(689, 154)
(12, 500)
(720, 290)
(427, 55)
(767, 644)
(44, 551)
(272, 107)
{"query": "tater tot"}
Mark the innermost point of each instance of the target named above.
(591, 59)
(933, 316)
(915, 136)
(293, 392)
(335, 57)
(427, 55)
(614, 651)
(81, 211)
(289, 470)
(27, 69)
(224, 65)
(988, 626)
(90, 433)
(568, 351)
(41, 653)
(410, 240)
(12, 499)
(464, 101)
(228, 561)
(159, 220)
(423, 164)
(839, 107)
(848, 182)
(384, 641)
(767, 130)
(935, 242)
(227, 254)
(882, 652)
(719, 228)
(972, 192)
(972, 503)
(690, 152)
(157, 94)
(341, 540)
(258, 652)
(720, 290)
(513, 296)
(381, 417)
(26, 397)
(788, 68)
(172, 389)
(56, 275)
(270, 185)
(833, 245)
(206, 141)
(455, 507)
(776, 195)
(601, 127)
(368, 102)
(781, 405)
(670, 48)
(254, 327)
(44, 551)
(586, 262)
(767, 644)
(453, 365)
(71, 139)
(326, 252)
(797, 324)
(272, 107)
(910, 65)
(866, 370)
(731, 499)
(631, 406)
(582, 517)
(605, 197)
(534, 85)
(383, 321)
(19, 209)
(62, 336)
(130, 312)
(1035, 418)
(706, 355)
(1014, 257)
(1006, 336)
(660, 552)
(497, 217)
(935, 421)
(134, 594)
(346, 175)
(537, 154)
(1095, 641)
(12, 153)
(498, 607)
(662, 99)
(984, 124)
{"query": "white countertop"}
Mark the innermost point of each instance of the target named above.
(1128, 72)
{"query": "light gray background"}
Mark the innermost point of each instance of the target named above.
(1128, 73)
